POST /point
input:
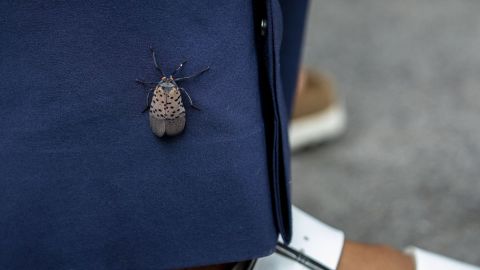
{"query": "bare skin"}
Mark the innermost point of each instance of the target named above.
(373, 257)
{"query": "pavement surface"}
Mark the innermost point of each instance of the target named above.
(407, 172)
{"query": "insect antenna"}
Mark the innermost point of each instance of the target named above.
(178, 68)
(155, 61)
(144, 83)
(192, 76)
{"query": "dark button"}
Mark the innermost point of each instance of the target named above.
(263, 27)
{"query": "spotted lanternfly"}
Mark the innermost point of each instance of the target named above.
(167, 113)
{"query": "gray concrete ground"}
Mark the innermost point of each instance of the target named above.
(408, 169)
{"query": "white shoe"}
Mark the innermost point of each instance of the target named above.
(425, 260)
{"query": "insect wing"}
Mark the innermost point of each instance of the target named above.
(157, 112)
(174, 113)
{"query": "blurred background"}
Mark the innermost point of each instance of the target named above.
(407, 169)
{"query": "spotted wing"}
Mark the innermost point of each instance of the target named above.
(174, 112)
(157, 111)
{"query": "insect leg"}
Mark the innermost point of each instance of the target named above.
(148, 99)
(178, 68)
(155, 61)
(192, 76)
(190, 99)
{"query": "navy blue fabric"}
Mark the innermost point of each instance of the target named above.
(281, 156)
(84, 182)
(281, 58)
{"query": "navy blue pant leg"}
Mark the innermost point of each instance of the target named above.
(84, 183)
(283, 47)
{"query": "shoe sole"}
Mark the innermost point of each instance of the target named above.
(317, 128)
